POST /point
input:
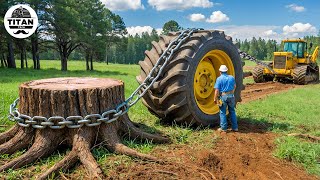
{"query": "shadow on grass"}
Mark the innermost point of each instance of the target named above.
(249, 125)
(246, 125)
(149, 129)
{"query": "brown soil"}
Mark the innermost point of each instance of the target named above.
(261, 90)
(246, 154)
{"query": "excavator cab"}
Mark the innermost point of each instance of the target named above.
(298, 49)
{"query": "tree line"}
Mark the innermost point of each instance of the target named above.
(87, 30)
(64, 26)
(128, 49)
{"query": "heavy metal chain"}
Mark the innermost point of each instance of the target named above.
(247, 56)
(58, 122)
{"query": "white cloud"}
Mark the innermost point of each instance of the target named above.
(133, 30)
(197, 17)
(270, 33)
(299, 29)
(296, 8)
(161, 5)
(121, 5)
(249, 31)
(217, 17)
(278, 33)
(159, 31)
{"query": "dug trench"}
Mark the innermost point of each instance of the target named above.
(247, 154)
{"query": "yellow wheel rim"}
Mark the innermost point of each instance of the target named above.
(205, 78)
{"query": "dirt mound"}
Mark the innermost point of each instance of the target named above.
(246, 154)
(261, 90)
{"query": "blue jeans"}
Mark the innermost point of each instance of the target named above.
(228, 101)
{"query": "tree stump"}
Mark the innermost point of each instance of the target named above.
(71, 97)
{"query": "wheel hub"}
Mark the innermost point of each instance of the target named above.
(205, 78)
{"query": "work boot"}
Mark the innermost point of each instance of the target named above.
(221, 130)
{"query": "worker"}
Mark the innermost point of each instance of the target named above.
(224, 91)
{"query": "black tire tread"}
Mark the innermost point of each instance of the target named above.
(167, 97)
(257, 74)
(299, 75)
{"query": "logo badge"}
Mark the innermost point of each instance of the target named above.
(21, 21)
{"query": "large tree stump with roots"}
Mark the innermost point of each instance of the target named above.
(71, 97)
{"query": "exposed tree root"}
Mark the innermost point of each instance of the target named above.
(66, 163)
(21, 140)
(82, 140)
(306, 136)
(135, 132)
(122, 149)
(81, 144)
(45, 143)
(83, 96)
(114, 143)
(4, 137)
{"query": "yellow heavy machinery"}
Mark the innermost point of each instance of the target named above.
(182, 84)
(295, 64)
(178, 74)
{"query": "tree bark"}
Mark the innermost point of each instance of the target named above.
(25, 56)
(64, 63)
(2, 61)
(87, 62)
(11, 60)
(38, 61)
(5, 60)
(22, 59)
(35, 52)
(91, 63)
(72, 97)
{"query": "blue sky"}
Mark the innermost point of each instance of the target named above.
(272, 19)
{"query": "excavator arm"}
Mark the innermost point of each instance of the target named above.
(315, 54)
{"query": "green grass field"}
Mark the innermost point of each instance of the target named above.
(293, 111)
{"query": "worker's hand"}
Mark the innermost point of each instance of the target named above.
(216, 101)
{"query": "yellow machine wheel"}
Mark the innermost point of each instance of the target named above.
(184, 92)
(205, 77)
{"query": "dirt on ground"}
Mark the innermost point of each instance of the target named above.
(247, 154)
(260, 90)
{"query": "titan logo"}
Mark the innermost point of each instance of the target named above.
(21, 21)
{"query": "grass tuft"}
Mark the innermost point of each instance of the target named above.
(305, 153)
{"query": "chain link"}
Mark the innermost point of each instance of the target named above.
(58, 122)
(247, 56)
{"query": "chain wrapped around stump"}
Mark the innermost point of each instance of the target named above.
(81, 113)
(77, 112)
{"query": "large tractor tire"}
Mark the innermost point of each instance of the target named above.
(299, 75)
(184, 93)
(317, 74)
(257, 74)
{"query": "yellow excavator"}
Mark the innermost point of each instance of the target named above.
(295, 64)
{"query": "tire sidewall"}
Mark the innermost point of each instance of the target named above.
(215, 43)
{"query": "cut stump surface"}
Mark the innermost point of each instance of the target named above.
(71, 97)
